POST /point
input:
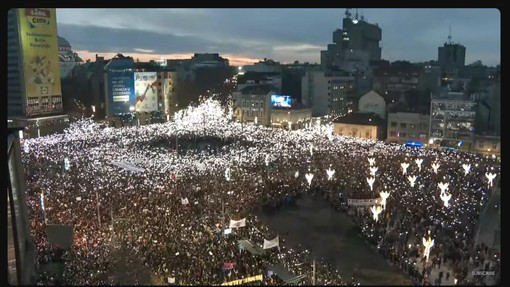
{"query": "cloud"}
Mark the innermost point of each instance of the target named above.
(144, 50)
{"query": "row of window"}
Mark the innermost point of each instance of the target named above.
(410, 126)
(405, 135)
(250, 104)
(250, 113)
(482, 145)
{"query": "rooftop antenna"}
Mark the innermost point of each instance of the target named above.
(356, 14)
(347, 13)
(450, 35)
(362, 17)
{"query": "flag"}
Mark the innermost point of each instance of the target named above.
(229, 265)
(268, 244)
(184, 201)
(237, 223)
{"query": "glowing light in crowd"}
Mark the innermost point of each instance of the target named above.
(428, 243)
(256, 120)
(371, 181)
(384, 195)
(66, 164)
(290, 126)
(311, 149)
(412, 180)
(26, 149)
(443, 187)
(419, 162)
(404, 166)
(371, 161)
(267, 159)
(435, 167)
(466, 168)
(490, 177)
(445, 198)
(227, 174)
(309, 177)
(296, 175)
(330, 172)
(376, 210)
(329, 132)
(373, 169)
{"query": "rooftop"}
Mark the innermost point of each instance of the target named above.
(369, 119)
(260, 89)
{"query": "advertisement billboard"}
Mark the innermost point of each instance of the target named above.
(281, 101)
(146, 91)
(122, 91)
(39, 50)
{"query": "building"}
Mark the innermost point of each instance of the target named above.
(328, 93)
(257, 78)
(487, 145)
(452, 56)
(253, 104)
(265, 66)
(360, 125)
(119, 86)
(21, 261)
(208, 60)
(67, 58)
(452, 122)
(290, 119)
(372, 102)
(404, 127)
(354, 46)
(33, 73)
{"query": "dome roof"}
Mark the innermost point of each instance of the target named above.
(63, 42)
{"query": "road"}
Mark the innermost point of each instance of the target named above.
(332, 236)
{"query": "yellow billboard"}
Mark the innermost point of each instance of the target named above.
(244, 280)
(39, 49)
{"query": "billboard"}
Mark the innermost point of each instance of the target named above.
(146, 91)
(39, 51)
(122, 90)
(281, 101)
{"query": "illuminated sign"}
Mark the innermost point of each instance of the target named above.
(146, 91)
(244, 280)
(281, 101)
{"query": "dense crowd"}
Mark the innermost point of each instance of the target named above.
(169, 220)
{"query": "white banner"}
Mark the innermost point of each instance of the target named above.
(127, 166)
(184, 201)
(363, 202)
(268, 244)
(237, 223)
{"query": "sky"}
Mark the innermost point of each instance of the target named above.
(245, 36)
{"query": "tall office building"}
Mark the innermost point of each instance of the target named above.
(354, 46)
(452, 56)
(33, 74)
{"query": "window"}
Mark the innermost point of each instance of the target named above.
(393, 134)
(494, 146)
(393, 124)
(403, 125)
(423, 136)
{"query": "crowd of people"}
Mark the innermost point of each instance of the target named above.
(170, 213)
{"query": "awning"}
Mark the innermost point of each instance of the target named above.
(253, 249)
(287, 276)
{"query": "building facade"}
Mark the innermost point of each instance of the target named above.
(452, 56)
(290, 119)
(360, 125)
(253, 104)
(408, 127)
(327, 94)
(357, 43)
(67, 58)
(452, 123)
(487, 145)
(372, 102)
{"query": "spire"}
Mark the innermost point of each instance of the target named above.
(347, 13)
(356, 14)
(450, 35)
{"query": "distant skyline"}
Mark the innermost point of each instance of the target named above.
(245, 36)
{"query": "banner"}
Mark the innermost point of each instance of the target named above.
(229, 265)
(268, 244)
(127, 166)
(237, 223)
(363, 202)
(146, 91)
(244, 280)
(39, 51)
(184, 201)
